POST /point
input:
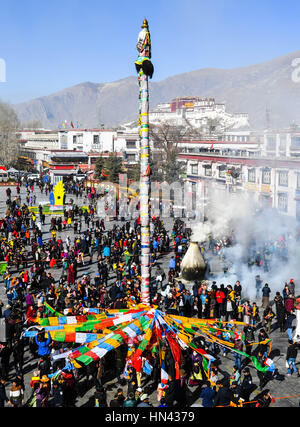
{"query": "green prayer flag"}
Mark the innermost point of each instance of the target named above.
(3, 266)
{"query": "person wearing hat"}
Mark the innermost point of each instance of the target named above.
(291, 286)
(42, 392)
(138, 393)
(247, 386)
(144, 401)
(237, 394)
(130, 402)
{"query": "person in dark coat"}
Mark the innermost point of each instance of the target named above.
(170, 392)
(249, 339)
(264, 399)
(18, 354)
(100, 397)
(156, 371)
(57, 395)
(7, 312)
(247, 385)
(290, 317)
(291, 356)
(207, 395)
(118, 400)
(237, 393)
(4, 357)
(263, 348)
(3, 396)
(280, 311)
(266, 295)
(224, 395)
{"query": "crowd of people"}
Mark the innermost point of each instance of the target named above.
(55, 270)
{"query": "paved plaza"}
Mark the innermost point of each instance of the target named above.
(285, 389)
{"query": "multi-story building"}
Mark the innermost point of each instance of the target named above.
(41, 138)
(204, 114)
(128, 143)
(284, 143)
(233, 157)
(272, 182)
(88, 140)
(69, 149)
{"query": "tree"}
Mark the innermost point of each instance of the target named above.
(166, 139)
(134, 172)
(113, 166)
(9, 124)
(99, 166)
(32, 125)
(173, 169)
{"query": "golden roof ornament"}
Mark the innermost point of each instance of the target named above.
(145, 24)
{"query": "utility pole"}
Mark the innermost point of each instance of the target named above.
(145, 70)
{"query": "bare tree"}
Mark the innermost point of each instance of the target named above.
(9, 124)
(166, 138)
(32, 125)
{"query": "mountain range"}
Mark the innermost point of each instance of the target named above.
(266, 91)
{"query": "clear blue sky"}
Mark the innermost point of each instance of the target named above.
(51, 45)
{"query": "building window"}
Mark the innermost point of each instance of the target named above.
(251, 175)
(96, 140)
(271, 143)
(130, 143)
(295, 142)
(283, 202)
(222, 173)
(194, 169)
(131, 157)
(298, 181)
(74, 139)
(207, 171)
(283, 178)
(266, 176)
(282, 144)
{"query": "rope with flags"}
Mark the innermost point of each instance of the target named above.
(143, 329)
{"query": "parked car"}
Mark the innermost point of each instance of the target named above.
(33, 177)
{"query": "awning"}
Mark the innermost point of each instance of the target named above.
(67, 154)
(63, 173)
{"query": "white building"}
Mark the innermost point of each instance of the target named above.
(201, 113)
(41, 138)
(285, 143)
(88, 140)
(128, 143)
(273, 182)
